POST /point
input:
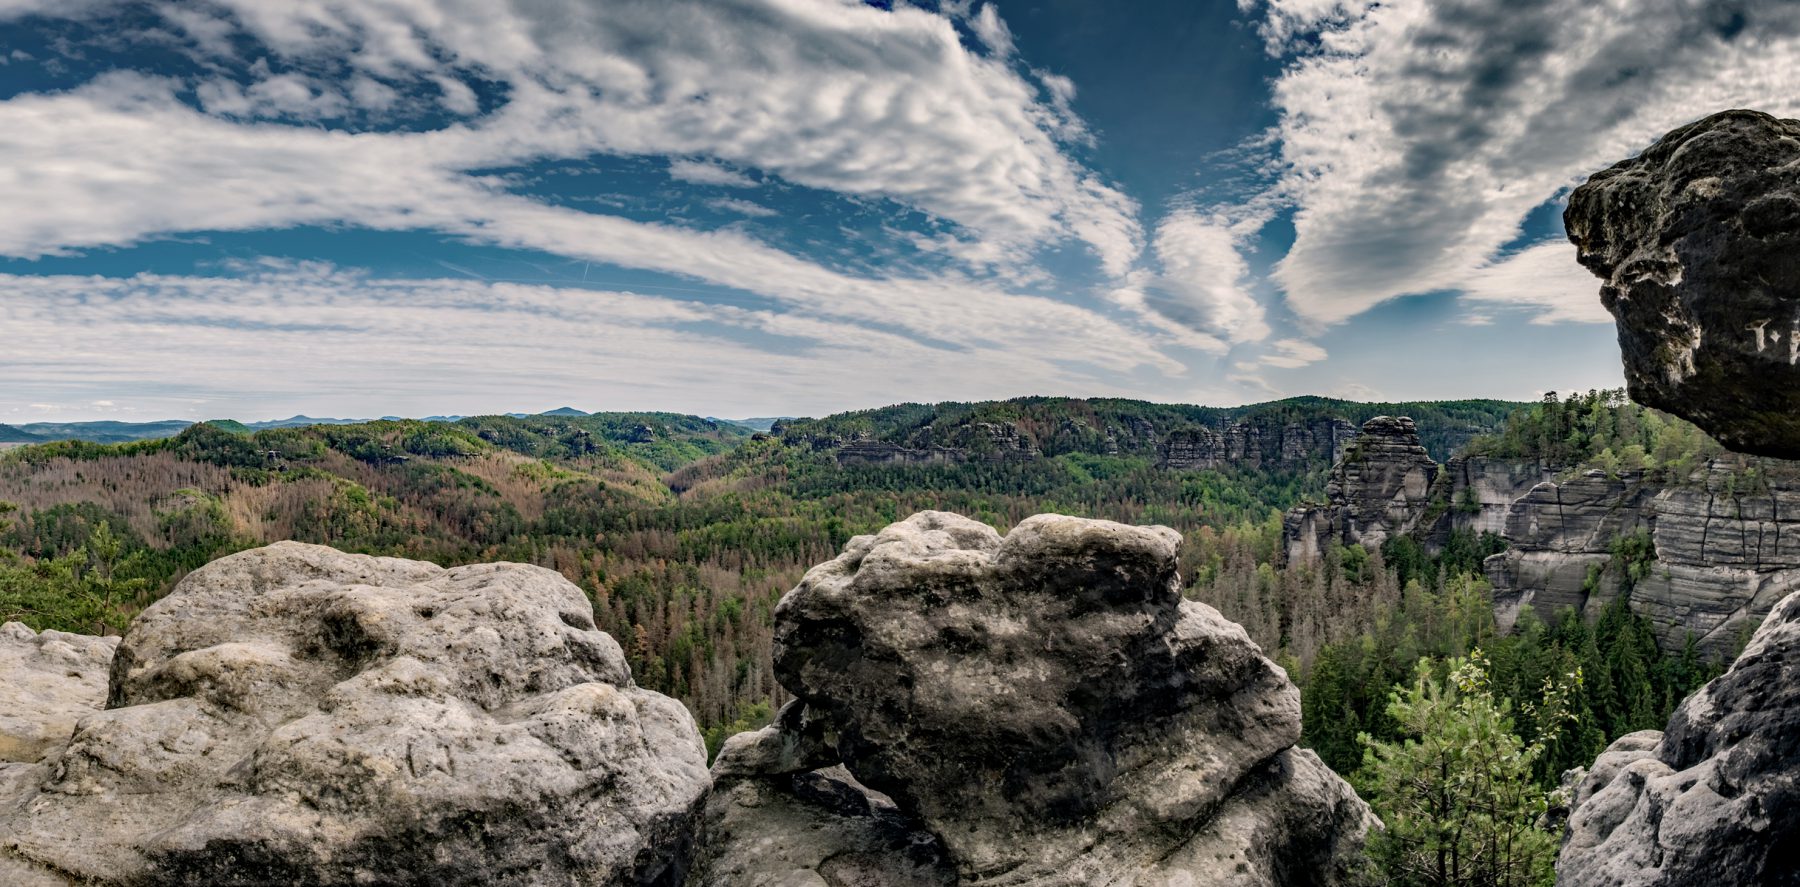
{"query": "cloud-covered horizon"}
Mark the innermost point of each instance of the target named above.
(821, 204)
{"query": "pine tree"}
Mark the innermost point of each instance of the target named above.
(1457, 793)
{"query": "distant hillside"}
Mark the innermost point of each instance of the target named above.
(104, 431)
(1056, 425)
(9, 434)
(757, 423)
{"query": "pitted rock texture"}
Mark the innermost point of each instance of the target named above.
(1697, 242)
(1714, 799)
(293, 714)
(51, 680)
(1048, 708)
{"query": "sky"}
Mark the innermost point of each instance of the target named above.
(256, 208)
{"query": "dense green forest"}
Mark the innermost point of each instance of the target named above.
(685, 532)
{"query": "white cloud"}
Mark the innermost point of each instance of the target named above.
(1418, 134)
(700, 172)
(838, 96)
(741, 207)
(275, 95)
(1204, 278)
(315, 337)
(1293, 353)
(1543, 278)
(992, 31)
(122, 159)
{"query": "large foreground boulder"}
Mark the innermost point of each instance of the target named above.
(1697, 241)
(1715, 798)
(297, 715)
(1041, 708)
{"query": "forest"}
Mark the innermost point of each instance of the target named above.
(685, 533)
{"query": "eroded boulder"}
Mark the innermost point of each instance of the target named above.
(1043, 708)
(1715, 798)
(1697, 241)
(298, 715)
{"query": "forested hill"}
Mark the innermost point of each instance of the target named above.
(1058, 425)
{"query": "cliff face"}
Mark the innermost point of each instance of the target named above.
(1726, 549)
(1257, 444)
(1726, 540)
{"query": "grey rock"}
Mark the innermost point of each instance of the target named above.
(1726, 550)
(1715, 798)
(1697, 242)
(1047, 708)
(294, 714)
(1381, 487)
(51, 681)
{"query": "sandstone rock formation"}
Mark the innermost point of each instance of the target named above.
(1726, 549)
(1042, 709)
(1381, 487)
(51, 680)
(1697, 241)
(1715, 798)
(1257, 443)
(297, 715)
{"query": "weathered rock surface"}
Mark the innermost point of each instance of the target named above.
(298, 715)
(51, 680)
(1042, 708)
(1380, 487)
(1714, 799)
(1727, 549)
(1697, 241)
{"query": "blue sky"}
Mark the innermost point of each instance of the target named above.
(254, 208)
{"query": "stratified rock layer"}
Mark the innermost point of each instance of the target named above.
(1044, 707)
(1697, 241)
(1714, 799)
(298, 715)
(1380, 487)
(51, 680)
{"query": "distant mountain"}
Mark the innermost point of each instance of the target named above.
(563, 411)
(103, 432)
(9, 434)
(299, 421)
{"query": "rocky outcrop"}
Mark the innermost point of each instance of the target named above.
(1713, 799)
(297, 715)
(1697, 241)
(971, 442)
(1041, 708)
(51, 681)
(1381, 487)
(1257, 443)
(1726, 543)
